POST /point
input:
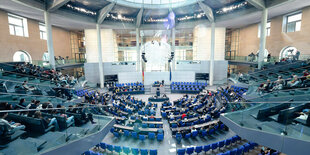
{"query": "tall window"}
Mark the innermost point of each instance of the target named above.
(18, 25)
(42, 31)
(293, 22)
(268, 28)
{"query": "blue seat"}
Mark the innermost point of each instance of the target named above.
(126, 150)
(134, 135)
(174, 125)
(221, 143)
(211, 131)
(204, 133)
(110, 147)
(188, 135)
(214, 146)
(240, 150)
(152, 125)
(160, 137)
(116, 134)
(195, 134)
(198, 149)
(151, 135)
(178, 137)
(142, 137)
(117, 149)
(126, 133)
(144, 125)
(228, 141)
(246, 147)
(103, 146)
(135, 151)
(181, 151)
(89, 152)
(206, 148)
(252, 145)
(190, 150)
(153, 152)
(144, 152)
(234, 151)
(112, 130)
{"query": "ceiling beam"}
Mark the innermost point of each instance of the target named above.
(139, 18)
(56, 4)
(104, 12)
(207, 10)
(259, 4)
(32, 4)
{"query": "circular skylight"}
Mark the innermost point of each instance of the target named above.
(156, 1)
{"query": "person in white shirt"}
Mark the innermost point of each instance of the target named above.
(11, 125)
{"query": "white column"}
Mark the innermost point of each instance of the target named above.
(262, 43)
(49, 39)
(138, 49)
(100, 56)
(211, 74)
(173, 49)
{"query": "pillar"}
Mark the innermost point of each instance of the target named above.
(262, 42)
(173, 48)
(138, 49)
(49, 39)
(211, 73)
(100, 56)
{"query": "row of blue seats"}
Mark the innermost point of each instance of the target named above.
(151, 135)
(240, 150)
(206, 148)
(190, 83)
(128, 84)
(186, 86)
(201, 133)
(82, 92)
(186, 89)
(126, 150)
(196, 122)
(146, 112)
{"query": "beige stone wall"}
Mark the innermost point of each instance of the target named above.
(249, 41)
(35, 46)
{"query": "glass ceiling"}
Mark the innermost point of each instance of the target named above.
(156, 1)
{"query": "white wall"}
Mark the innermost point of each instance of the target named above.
(202, 43)
(108, 44)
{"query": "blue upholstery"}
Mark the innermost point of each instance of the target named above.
(144, 125)
(135, 151)
(228, 141)
(144, 152)
(126, 150)
(152, 125)
(134, 134)
(181, 151)
(206, 148)
(117, 149)
(142, 137)
(214, 146)
(221, 143)
(178, 137)
(198, 149)
(240, 150)
(153, 152)
(195, 133)
(126, 133)
(160, 137)
(204, 133)
(187, 136)
(112, 130)
(116, 134)
(190, 150)
(103, 146)
(151, 135)
(246, 147)
(234, 151)
(110, 147)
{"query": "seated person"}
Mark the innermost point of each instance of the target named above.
(278, 84)
(25, 86)
(47, 121)
(11, 125)
(61, 112)
(294, 82)
(304, 114)
(21, 104)
(265, 87)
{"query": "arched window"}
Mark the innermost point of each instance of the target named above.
(22, 56)
(288, 52)
(45, 56)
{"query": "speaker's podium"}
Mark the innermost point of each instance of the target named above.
(157, 97)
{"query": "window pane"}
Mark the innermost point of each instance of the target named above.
(298, 26)
(12, 31)
(294, 18)
(44, 36)
(15, 21)
(268, 25)
(291, 27)
(19, 31)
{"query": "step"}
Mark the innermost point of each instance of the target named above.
(20, 147)
(39, 143)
